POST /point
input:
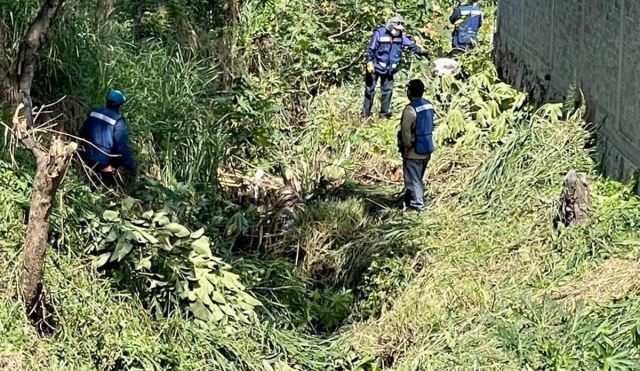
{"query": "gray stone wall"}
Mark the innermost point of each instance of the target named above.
(547, 46)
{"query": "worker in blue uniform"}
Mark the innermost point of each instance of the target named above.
(415, 143)
(383, 56)
(106, 146)
(467, 20)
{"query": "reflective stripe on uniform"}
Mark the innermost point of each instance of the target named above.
(104, 118)
(382, 64)
(471, 12)
(389, 39)
(424, 107)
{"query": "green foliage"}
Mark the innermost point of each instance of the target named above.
(544, 336)
(175, 264)
(385, 278)
(331, 307)
(477, 110)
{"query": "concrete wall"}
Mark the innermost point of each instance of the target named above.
(545, 46)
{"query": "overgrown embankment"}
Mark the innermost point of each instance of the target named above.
(271, 190)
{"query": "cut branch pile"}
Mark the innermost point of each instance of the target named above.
(276, 200)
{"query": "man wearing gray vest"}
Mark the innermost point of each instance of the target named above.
(415, 143)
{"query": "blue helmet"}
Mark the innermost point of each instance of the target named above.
(116, 96)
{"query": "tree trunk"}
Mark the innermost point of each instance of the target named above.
(15, 85)
(43, 190)
(20, 74)
(231, 11)
(574, 200)
(4, 59)
(50, 168)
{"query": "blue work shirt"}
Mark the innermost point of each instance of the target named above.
(106, 129)
(385, 50)
(467, 20)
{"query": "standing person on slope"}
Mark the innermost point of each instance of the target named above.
(415, 143)
(383, 56)
(105, 132)
(467, 20)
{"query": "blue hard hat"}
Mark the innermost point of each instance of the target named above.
(116, 96)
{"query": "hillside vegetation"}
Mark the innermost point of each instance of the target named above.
(264, 232)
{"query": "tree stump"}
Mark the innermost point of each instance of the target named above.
(574, 200)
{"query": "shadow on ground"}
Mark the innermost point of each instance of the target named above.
(375, 197)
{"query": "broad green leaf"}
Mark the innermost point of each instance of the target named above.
(218, 297)
(247, 298)
(111, 216)
(228, 310)
(128, 203)
(201, 246)
(144, 263)
(177, 230)
(148, 215)
(197, 234)
(184, 295)
(201, 273)
(216, 313)
(147, 236)
(230, 281)
(266, 366)
(242, 318)
(163, 220)
(200, 311)
(204, 282)
(111, 237)
(138, 237)
(123, 248)
(199, 260)
(201, 293)
(192, 295)
(102, 260)
(214, 279)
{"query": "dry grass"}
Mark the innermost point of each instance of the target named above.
(613, 279)
(11, 362)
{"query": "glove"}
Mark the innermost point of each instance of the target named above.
(370, 68)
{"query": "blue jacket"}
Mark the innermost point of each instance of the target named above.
(468, 20)
(106, 129)
(424, 127)
(385, 50)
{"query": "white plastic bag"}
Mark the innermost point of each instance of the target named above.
(446, 66)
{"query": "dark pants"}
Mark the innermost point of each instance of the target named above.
(460, 46)
(413, 171)
(386, 86)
